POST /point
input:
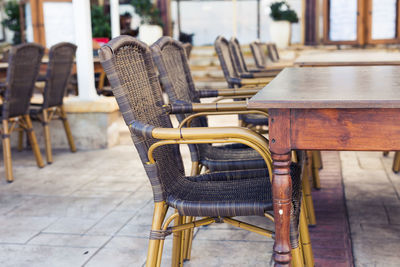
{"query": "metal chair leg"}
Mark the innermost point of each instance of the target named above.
(315, 170)
(20, 140)
(160, 210)
(7, 152)
(309, 205)
(188, 234)
(33, 141)
(67, 129)
(396, 162)
(47, 139)
(305, 239)
(177, 250)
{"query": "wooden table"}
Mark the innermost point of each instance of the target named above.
(348, 58)
(332, 108)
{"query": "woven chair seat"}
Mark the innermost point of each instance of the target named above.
(238, 193)
(255, 119)
(230, 157)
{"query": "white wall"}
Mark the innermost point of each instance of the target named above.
(209, 19)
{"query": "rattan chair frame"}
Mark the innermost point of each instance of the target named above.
(61, 60)
(23, 69)
(131, 72)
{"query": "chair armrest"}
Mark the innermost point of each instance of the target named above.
(182, 108)
(203, 135)
(226, 92)
(256, 81)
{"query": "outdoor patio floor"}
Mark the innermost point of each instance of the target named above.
(94, 208)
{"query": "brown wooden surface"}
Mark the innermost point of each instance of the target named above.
(332, 87)
(333, 108)
(345, 129)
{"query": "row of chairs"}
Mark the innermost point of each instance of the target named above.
(17, 112)
(237, 181)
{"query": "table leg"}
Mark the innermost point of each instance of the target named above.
(282, 195)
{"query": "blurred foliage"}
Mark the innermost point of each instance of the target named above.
(11, 10)
(281, 11)
(101, 23)
(148, 12)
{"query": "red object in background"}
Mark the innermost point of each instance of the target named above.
(101, 40)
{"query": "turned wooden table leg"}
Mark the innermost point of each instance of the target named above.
(280, 146)
(282, 194)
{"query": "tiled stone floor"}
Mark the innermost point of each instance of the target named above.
(94, 208)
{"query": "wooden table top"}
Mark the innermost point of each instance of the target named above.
(332, 87)
(349, 58)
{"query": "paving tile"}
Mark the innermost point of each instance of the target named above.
(21, 229)
(42, 256)
(68, 240)
(67, 225)
(110, 224)
(120, 252)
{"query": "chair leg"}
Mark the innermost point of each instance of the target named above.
(188, 234)
(297, 257)
(318, 157)
(177, 250)
(309, 205)
(7, 152)
(47, 139)
(33, 141)
(160, 210)
(67, 130)
(396, 162)
(20, 140)
(305, 238)
(315, 170)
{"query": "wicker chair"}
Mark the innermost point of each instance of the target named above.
(215, 196)
(176, 80)
(61, 60)
(188, 49)
(241, 66)
(234, 79)
(23, 68)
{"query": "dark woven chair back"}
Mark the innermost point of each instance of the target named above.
(23, 69)
(61, 59)
(237, 56)
(258, 54)
(224, 56)
(170, 58)
(130, 70)
(273, 53)
(188, 49)
(176, 80)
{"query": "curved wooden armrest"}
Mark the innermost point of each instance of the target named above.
(257, 81)
(231, 97)
(189, 119)
(227, 92)
(204, 135)
(205, 107)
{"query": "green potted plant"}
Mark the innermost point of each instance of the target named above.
(12, 21)
(282, 18)
(150, 29)
(101, 25)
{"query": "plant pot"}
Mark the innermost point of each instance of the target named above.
(150, 33)
(281, 32)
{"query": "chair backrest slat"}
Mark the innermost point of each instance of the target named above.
(131, 73)
(258, 54)
(23, 69)
(225, 59)
(237, 56)
(61, 60)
